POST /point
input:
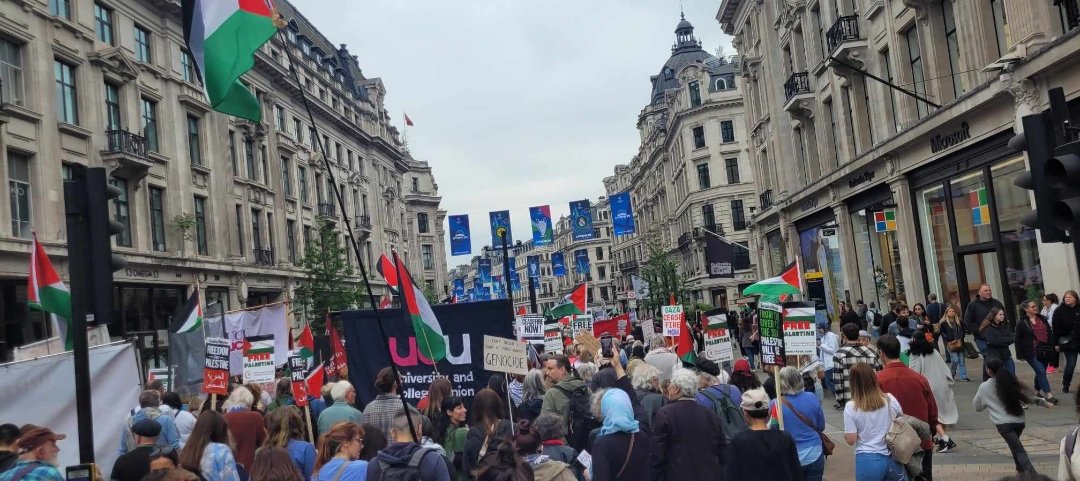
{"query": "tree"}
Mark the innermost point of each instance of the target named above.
(430, 293)
(326, 286)
(661, 271)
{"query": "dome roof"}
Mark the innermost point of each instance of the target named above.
(685, 51)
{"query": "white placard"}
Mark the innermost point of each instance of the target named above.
(531, 327)
(585, 459)
(580, 323)
(506, 355)
(799, 339)
(718, 345)
(672, 317)
(553, 340)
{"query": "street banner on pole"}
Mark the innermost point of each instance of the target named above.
(533, 264)
(483, 271)
(460, 237)
(216, 369)
(581, 261)
(542, 232)
(558, 264)
(721, 258)
(622, 214)
(500, 219)
(581, 220)
(772, 341)
(672, 317)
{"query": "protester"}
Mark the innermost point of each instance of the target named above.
(431, 404)
(977, 311)
(557, 397)
(344, 395)
(803, 420)
(867, 418)
(247, 427)
(763, 453)
(339, 454)
(134, 464)
(662, 358)
(926, 361)
(274, 464)
(934, 309)
(207, 452)
(516, 387)
(849, 316)
(586, 371)
(712, 383)
(503, 465)
(374, 441)
(846, 357)
(489, 428)
(38, 453)
(1033, 344)
(552, 431)
(1049, 305)
(164, 460)
(1004, 397)
(527, 443)
(742, 376)
(646, 382)
(450, 432)
(997, 338)
(403, 455)
(262, 399)
(952, 332)
(325, 392)
(1068, 454)
(919, 315)
(185, 421)
(828, 343)
(903, 327)
(380, 411)
(749, 336)
(282, 395)
(912, 391)
(1066, 321)
(285, 429)
(532, 395)
(9, 454)
(687, 439)
(620, 451)
(150, 408)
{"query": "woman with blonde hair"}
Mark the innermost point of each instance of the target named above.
(952, 332)
(867, 418)
(339, 454)
(285, 429)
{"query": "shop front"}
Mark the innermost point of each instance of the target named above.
(875, 233)
(969, 229)
(819, 255)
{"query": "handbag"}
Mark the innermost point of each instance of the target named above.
(901, 439)
(827, 444)
(955, 345)
(629, 451)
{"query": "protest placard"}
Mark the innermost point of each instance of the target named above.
(580, 323)
(259, 359)
(772, 341)
(159, 374)
(505, 355)
(530, 327)
(553, 340)
(672, 318)
(216, 367)
(799, 338)
(297, 372)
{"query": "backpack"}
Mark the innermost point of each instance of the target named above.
(410, 471)
(581, 421)
(731, 417)
(876, 318)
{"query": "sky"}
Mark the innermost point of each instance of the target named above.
(515, 103)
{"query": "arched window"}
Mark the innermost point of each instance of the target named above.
(721, 84)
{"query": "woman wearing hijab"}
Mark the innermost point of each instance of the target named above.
(621, 451)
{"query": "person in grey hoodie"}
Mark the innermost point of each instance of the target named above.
(405, 453)
(1004, 397)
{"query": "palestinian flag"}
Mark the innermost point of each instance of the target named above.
(189, 317)
(715, 319)
(223, 36)
(685, 346)
(572, 304)
(259, 345)
(429, 335)
(788, 282)
(306, 343)
(387, 271)
(46, 292)
(800, 314)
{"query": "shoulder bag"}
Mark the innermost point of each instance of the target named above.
(901, 439)
(629, 451)
(827, 444)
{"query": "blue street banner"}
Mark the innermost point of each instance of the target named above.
(460, 239)
(558, 264)
(500, 219)
(540, 217)
(513, 263)
(534, 266)
(459, 287)
(581, 261)
(622, 214)
(515, 283)
(483, 271)
(581, 220)
(498, 290)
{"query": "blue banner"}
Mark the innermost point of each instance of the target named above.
(500, 219)
(542, 232)
(581, 261)
(558, 264)
(622, 214)
(515, 283)
(460, 240)
(483, 271)
(513, 264)
(459, 288)
(533, 262)
(498, 290)
(581, 220)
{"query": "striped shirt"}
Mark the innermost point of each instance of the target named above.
(845, 358)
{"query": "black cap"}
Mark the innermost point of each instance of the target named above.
(706, 366)
(146, 428)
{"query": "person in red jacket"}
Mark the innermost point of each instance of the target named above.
(912, 391)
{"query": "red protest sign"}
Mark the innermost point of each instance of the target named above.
(297, 368)
(216, 367)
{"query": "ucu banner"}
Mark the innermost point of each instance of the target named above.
(463, 325)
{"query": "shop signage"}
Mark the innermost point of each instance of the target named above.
(947, 140)
(860, 179)
(808, 204)
(142, 272)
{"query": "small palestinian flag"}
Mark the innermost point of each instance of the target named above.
(190, 317)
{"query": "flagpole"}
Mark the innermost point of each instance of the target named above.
(405, 308)
(198, 308)
(404, 311)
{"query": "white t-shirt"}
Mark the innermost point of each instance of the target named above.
(871, 426)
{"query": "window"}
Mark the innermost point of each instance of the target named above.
(279, 117)
(307, 236)
(149, 123)
(290, 239)
(240, 229)
(264, 164)
(249, 157)
(103, 23)
(415, 184)
(816, 12)
(350, 155)
(1002, 32)
(256, 230)
(313, 137)
(11, 81)
(187, 66)
(298, 128)
(732, 168)
(917, 75)
(66, 96)
(142, 44)
(200, 225)
(827, 106)
(270, 231)
(845, 96)
(953, 47)
(112, 107)
(19, 187)
(695, 93)
(427, 253)
(699, 137)
(157, 218)
(232, 154)
(740, 256)
(703, 176)
(601, 272)
(422, 223)
(301, 180)
(708, 217)
(122, 212)
(727, 131)
(886, 66)
(319, 188)
(60, 8)
(599, 252)
(194, 144)
(738, 219)
(286, 177)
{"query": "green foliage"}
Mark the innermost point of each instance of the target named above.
(326, 286)
(430, 293)
(661, 271)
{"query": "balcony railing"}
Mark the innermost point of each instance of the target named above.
(363, 221)
(765, 200)
(685, 239)
(327, 209)
(263, 257)
(739, 225)
(845, 29)
(798, 83)
(628, 266)
(714, 228)
(125, 142)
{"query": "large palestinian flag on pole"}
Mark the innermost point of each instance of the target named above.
(190, 317)
(429, 335)
(572, 304)
(788, 282)
(46, 292)
(223, 36)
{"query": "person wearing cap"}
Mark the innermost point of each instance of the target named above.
(134, 464)
(760, 452)
(38, 453)
(742, 376)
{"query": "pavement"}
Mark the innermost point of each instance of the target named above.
(981, 454)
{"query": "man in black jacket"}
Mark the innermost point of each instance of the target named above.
(977, 310)
(687, 438)
(134, 464)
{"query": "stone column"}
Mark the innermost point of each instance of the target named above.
(1029, 24)
(907, 239)
(849, 262)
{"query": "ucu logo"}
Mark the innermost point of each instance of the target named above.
(415, 358)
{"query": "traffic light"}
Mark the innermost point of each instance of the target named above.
(1062, 178)
(1037, 140)
(100, 229)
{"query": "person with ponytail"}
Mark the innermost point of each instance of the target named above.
(1004, 397)
(339, 454)
(503, 465)
(528, 444)
(285, 429)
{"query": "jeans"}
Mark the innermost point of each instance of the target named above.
(958, 365)
(827, 383)
(878, 467)
(1011, 434)
(748, 352)
(815, 470)
(1041, 383)
(1070, 366)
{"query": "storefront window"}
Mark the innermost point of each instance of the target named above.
(819, 248)
(971, 206)
(776, 252)
(878, 255)
(1019, 247)
(937, 247)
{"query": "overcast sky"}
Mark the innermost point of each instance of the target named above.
(516, 103)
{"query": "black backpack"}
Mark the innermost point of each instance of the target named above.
(731, 417)
(876, 319)
(410, 471)
(581, 421)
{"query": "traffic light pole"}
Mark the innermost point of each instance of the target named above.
(79, 268)
(532, 295)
